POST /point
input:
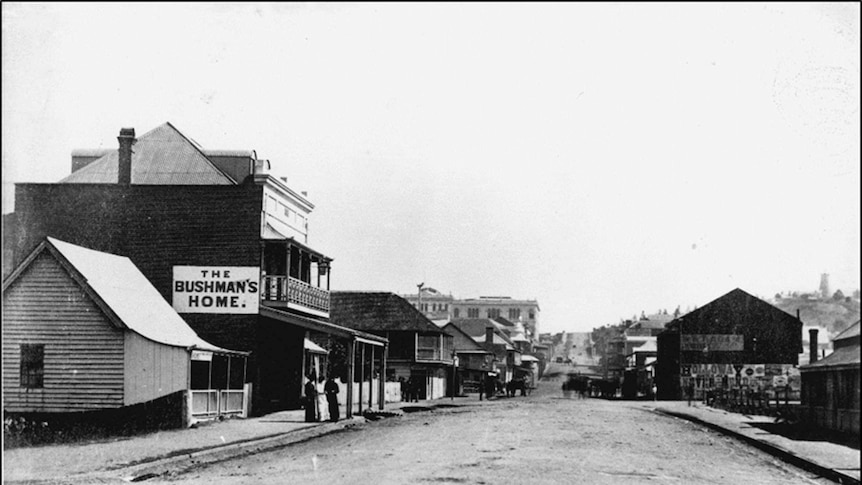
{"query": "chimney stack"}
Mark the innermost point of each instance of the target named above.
(489, 338)
(812, 345)
(124, 171)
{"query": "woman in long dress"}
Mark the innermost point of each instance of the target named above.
(311, 400)
(322, 408)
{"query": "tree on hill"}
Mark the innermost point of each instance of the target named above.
(838, 295)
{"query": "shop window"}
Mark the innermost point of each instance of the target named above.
(32, 365)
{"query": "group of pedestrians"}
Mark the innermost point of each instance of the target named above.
(321, 399)
(410, 389)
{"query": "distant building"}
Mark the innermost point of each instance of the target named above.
(830, 387)
(475, 362)
(436, 306)
(441, 308)
(735, 341)
(525, 311)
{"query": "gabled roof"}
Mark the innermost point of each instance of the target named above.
(842, 357)
(849, 332)
(475, 328)
(377, 311)
(125, 295)
(735, 301)
(504, 321)
(475, 347)
(162, 156)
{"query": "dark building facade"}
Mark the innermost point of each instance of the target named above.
(830, 387)
(179, 208)
(736, 341)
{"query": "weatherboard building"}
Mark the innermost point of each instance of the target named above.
(216, 234)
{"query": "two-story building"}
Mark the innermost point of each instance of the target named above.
(419, 351)
(217, 235)
(475, 362)
(493, 336)
(514, 310)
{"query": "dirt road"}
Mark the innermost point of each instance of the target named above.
(540, 439)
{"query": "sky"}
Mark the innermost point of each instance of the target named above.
(603, 159)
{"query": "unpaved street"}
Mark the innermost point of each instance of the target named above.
(538, 439)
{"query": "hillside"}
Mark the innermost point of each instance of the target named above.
(831, 314)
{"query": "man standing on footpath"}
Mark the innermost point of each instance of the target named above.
(331, 389)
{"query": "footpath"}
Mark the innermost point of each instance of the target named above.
(830, 460)
(138, 458)
(158, 454)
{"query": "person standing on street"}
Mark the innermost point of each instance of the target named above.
(322, 411)
(331, 390)
(310, 399)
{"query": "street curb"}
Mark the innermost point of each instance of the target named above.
(770, 448)
(157, 467)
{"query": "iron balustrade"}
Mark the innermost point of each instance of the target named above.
(291, 290)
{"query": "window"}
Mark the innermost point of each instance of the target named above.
(532, 315)
(514, 314)
(472, 313)
(493, 312)
(457, 312)
(32, 365)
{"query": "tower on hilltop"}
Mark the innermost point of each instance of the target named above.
(824, 286)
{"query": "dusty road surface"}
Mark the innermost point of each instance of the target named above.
(538, 439)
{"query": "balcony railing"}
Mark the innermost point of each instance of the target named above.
(428, 353)
(291, 290)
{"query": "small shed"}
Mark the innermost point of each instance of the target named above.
(85, 331)
(830, 387)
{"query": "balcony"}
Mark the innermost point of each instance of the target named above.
(291, 292)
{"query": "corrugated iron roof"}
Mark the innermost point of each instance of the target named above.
(377, 311)
(132, 298)
(844, 356)
(849, 332)
(162, 156)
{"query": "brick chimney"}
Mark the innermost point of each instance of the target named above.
(489, 338)
(812, 345)
(124, 171)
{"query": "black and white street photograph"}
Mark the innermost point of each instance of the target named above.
(403, 243)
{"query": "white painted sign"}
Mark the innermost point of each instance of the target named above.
(216, 289)
(202, 355)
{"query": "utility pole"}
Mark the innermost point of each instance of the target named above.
(419, 292)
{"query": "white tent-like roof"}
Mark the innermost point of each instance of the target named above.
(131, 297)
